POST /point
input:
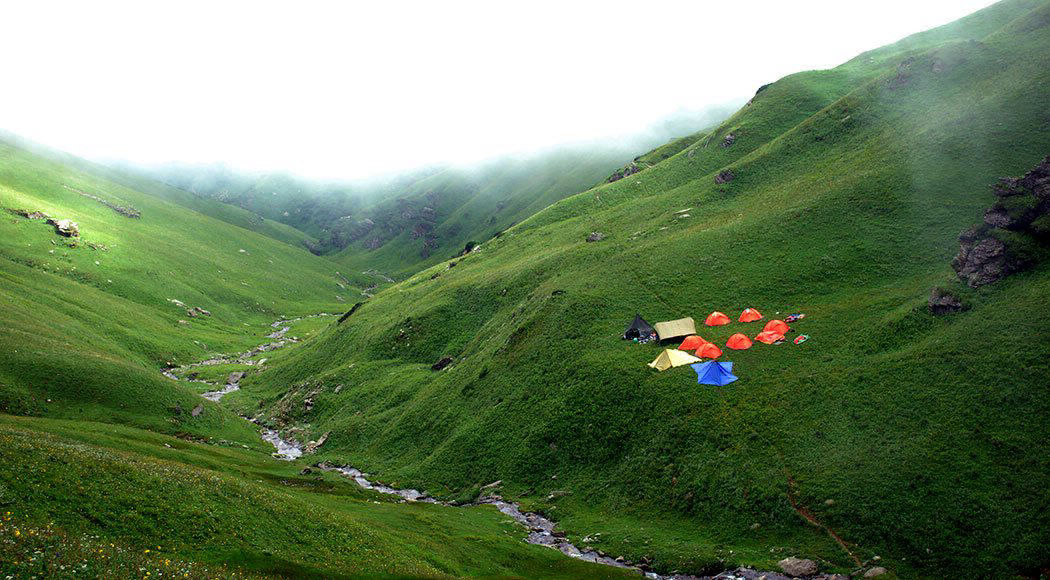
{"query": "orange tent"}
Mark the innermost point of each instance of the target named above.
(739, 342)
(750, 315)
(691, 343)
(716, 319)
(708, 350)
(769, 336)
(777, 326)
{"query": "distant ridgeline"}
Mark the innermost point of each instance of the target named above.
(421, 217)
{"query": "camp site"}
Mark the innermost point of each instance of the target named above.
(673, 290)
(693, 349)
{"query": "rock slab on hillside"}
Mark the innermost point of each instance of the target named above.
(724, 176)
(798, 566)
(68, 228)
(943, 302)
(1017, 222)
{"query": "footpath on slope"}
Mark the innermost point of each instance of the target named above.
(541, 530)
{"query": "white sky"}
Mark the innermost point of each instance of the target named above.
(339, 89)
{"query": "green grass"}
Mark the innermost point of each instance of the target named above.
(851, 187)
(113, 499)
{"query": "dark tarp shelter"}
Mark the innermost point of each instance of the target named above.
(638, 329)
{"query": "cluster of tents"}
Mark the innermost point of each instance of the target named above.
(711, 372)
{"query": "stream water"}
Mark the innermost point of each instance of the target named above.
(541, 530)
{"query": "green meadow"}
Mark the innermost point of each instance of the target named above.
(919, 441)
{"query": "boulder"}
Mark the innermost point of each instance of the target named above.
(981, 261)
(198, 410)
(728, 140)
(444, 362)
(797, 566)
(943, 302)
(596, 237)
(875, 572)
(67, 228)
(312, 446)
(235, 377)
(630, 169)
(724, 176)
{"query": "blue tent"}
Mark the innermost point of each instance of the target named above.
(714, 373)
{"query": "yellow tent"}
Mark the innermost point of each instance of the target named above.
(672, 358)
(675, 328)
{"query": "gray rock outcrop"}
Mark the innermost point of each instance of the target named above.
(798, 566)
(1016, 223)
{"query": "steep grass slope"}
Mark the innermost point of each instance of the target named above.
(110, 501)
(915, 438)
(114, 470)
(90, 321)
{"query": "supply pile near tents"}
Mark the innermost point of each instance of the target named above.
(672, 358)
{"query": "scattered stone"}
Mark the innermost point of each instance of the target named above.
(28, 214)
(306, 471)
(876, 571)
(198, 410)
(65, 227)
(496, 483)
(629, 169)
(755, 526)
(441, 364)
(596, 237)
(728, 139)
(829, 502)
(178, 303)
(312, 446)
(127, 211)
(724, 176)
(798, 566)
(235, 377)
(197, 311)
(943, 302)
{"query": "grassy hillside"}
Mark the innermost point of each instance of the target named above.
(111, 469)
(118, 502)
(911, 437)
(131, 180)
(91, 320)
(402, 223)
